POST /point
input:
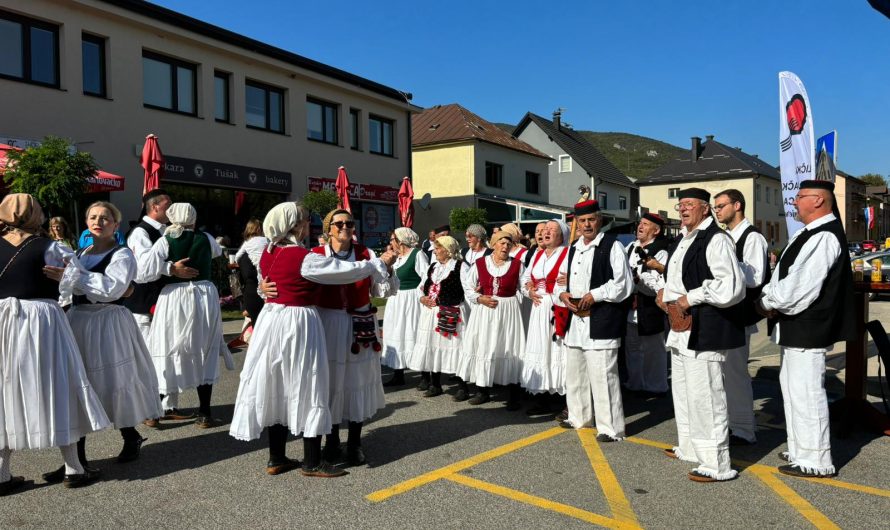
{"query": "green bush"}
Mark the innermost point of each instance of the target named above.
(52, 174)
(320, 202)
(461, 218)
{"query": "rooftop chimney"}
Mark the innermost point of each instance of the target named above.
(557, 121)
(696, 147)
(709, 137)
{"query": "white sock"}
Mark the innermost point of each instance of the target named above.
(72, 463)
(5, 475)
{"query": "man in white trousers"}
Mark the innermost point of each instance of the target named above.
(145, 293)
(810, 299)
(751, 252)
(702, 283)
(598, 280)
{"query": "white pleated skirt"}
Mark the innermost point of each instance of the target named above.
(117, 362)
(544, 360)
(433, 352)
(491, 353)
(356, 388)
(285, 376)
(186, 336)
(46, 399)
(400, 328)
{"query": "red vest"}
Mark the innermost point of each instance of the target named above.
(283, 266)
(350, 296)
(507, 284)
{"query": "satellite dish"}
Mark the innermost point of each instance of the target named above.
(425, 201)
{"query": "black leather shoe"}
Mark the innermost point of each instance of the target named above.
(323, 470)
(277, 467)
(513, 405)
(795, 471)
(131, 450)
(566, 424)
(83, 479)
(479, 399)
(433, 391)
(355, 456)
(562, 416)
(423, 385)
(12, 485)
(461, 395)
(605, 438)
(332, 452)
(55, 476)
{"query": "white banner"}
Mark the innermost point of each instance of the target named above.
(797, 158)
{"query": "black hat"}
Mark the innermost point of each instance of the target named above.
(694, 193)
(586, 207)
(817, 185)
(443, 228)
(657, 219)
(157, 192)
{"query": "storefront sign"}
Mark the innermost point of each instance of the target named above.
(359, 192)
(216, 174)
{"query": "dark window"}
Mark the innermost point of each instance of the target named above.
(264, 107)
(673, 193)
(380, 135)
(353, 118)
(622, 202)
(29, 50)
(321, 121)
(221, 97)
(494, 175)
(93, 59)
(603, 200)
(532, 183)
(169, 84)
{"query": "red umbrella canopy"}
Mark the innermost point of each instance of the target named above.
(153, 163)
(406, 203)
(342, 185)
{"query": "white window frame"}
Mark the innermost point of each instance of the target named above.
(569, 160)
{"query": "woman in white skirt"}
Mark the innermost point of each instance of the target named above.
(440, 328)
(494, 341)
(186, 338)
(403, 306)
(46, 399)
(543, 361)
(285, 381)
(114, 354)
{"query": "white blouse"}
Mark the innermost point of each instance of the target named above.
(98, 287)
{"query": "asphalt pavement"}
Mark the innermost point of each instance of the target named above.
(438, 464)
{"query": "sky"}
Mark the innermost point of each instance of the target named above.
(664, 69)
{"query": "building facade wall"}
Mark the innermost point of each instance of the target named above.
(515, 165)
(562, 187)
(114, 128)
(446, 173)
(850, 196)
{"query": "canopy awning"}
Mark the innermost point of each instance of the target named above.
(105, 181)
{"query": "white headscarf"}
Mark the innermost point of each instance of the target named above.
(564, 228)
(407, 237)
(181, 215)
(280, 221)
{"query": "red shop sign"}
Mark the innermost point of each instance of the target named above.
(361, 192)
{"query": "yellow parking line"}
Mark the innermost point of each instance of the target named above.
(443, 472)
(539, 502)
(618, 503)
(790, 496)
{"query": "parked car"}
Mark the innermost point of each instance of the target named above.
(854, 248)
(869, 245)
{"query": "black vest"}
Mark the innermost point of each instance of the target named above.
(608, 320)
(830, 318)
(713, 328)
(24, 277)
(145, 295)
(650, 317)
(451, 291)
(80, 299)
(745, 310)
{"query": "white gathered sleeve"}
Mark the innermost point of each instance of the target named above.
(57, 255)
(254, 248)
(332, 271)
(153, 264)
(380, 286)
(524, 278)
(754, 260)
(791, 294)
(100, 287)
(469, 279)
(727, 288)
(142, 246)
(621, 285)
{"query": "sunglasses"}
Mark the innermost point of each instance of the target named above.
(341, 224)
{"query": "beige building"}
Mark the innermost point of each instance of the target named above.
(715, 167)
(850, 193)
(231, 113)
(463, 161)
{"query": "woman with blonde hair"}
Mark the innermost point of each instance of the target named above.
(440, 328)
(400, 330)
(117, 361)
(60, 232)
(47, 400)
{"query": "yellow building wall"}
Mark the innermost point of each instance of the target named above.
(447, 174)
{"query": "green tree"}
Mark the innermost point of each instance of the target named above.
(461, 218)
(320, 202)
(873, 179)
(53, 175)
